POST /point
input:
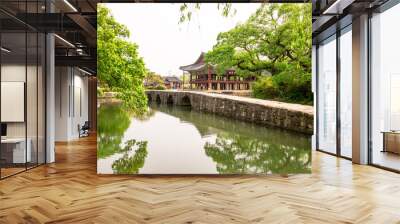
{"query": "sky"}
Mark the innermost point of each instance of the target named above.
(164, 44)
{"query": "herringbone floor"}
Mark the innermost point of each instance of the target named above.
(69, 191)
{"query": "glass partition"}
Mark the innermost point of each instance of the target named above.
(13, 94)
(346, 92)
(327, 95)
(385, 89)
(22, 88)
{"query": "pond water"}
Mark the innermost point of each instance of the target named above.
(178, 140)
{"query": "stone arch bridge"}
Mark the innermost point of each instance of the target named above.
(265, 112)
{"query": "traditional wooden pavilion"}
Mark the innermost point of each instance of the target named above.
(204, 77)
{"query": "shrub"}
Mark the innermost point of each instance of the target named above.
(264, 88)
(100, 92)
(160, 87)
(290, 85)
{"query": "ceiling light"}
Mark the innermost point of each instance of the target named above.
(86, 72)
(65, 41)
(5, 50)
(70, 5)
(337, 7)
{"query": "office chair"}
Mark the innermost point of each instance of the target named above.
(84, 130)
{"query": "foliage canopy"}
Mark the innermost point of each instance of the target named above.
(275, 40)
(119, 66)
(154, 81)
(187, 10)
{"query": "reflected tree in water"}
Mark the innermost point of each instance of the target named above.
(246, 154)
(128, 163)
(242, 147)
(145, 115)
(112, 124)
(113, 121)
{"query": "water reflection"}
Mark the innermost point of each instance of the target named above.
(178, 140)
(112, 124)
(243, 154)
(128, 163)
(241, 147)
(113, 121)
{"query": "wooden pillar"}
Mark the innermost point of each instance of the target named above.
(92, 103)
(190, 81)
(209, 78)
(183, 81)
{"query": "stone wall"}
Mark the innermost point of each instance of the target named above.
(272, 113)
(108, 97)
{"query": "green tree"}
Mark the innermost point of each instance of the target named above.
(187, 10)
(119, 66)
(276, 36)
(276, 39)
(154, 81)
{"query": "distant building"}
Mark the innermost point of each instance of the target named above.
(150, 84)
(204, 77)
(172, 82)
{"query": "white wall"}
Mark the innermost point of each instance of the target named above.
(62, 83)
(12, 73)
(33, 126)
(71, 94)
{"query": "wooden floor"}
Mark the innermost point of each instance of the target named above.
(69, 191)
(5, 172)
(387, 159)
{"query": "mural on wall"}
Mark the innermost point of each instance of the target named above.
(147, 124)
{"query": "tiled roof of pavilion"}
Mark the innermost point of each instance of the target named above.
(198, 65)
(171, 79)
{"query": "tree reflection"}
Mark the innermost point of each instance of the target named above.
(242, 147)
(239, 147)
(130, 164)
(145, 115)
(113, 121)
(210, 124)
(112, 124)
(245, 154)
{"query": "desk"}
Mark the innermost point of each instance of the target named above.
(13, 150)
(391, 141)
